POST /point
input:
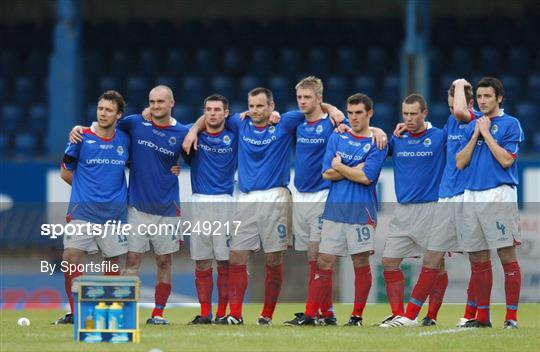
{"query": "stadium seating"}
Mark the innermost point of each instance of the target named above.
(12, 118)
(37, 123)
(26, 143)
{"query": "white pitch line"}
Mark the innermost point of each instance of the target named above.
(440, 332)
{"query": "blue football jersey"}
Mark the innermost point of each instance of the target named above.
(264, 153)
(214, 163)
(419, 162)
(99, 190)
(453, 180)
(485, 172)
(348, 201)
(311, 141)
(153, 188)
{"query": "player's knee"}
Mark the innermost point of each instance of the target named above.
(507, 254)
(133, 260)
(433, 259)
(390, 264)
(163, 262)
(360, 260)
(479, 257)
(203, 264)
(325, 261)
(274, 259)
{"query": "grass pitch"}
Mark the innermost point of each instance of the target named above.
(41, 336)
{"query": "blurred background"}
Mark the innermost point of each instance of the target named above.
(57, 57)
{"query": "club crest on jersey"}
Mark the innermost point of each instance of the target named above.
(319, 129)
(120, 150)
(494, 129)
(366, 148)
(226, 139)
(427, 142)
(272, 129)
(172, 140)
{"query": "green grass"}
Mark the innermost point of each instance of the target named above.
(41, 336)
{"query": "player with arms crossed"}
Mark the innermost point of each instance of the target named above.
(419, 160)
(95, 168)
(213, 165)
(311, 189)
(491, 218)
(352, 163)
(153, 190)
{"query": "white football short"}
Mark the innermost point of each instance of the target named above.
(210, 242)
(409, 230)
(307, 217)
(490, 219)
(263, 216)
(110, 244)
(162, 232)
(343, 239)
(447, 225)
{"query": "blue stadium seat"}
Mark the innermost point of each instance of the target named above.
(177, 62)
(93, 62)
(262, 62)
(12, 118)
(137, 89)
(236, 107)
(385, 117)
(223, 85)
(192, 91)
(129, 110)
(26, 90)
(335, 90)
(282, 90)
(107, 83)
(37, 64)
(91, 114)
(26, 143)
(391, 88)
(462, 61)
(378, 62)
(534, 86)
(346, 63)
(364, 84)
(3, 90)
(512, 88)
(519, 61)
(204, 62)
(318, 62)
(527, 113)
(122, 63)
(234, 62)
(490, 62)
(186, 114)
(438, 113)
(149, 64)
(4, 144)
(166, 80)
(247, 83)
(38, 119)
(10, 63)
(290, 61)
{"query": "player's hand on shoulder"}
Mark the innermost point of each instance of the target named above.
(146, 114)
(175, 170)
(243, 115)
(399, 130)
(76, 134)
(336, 117)
(275, 117)
(379, 138)
(342, 128)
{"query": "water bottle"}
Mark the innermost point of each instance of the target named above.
(100, 316)
(116, 316)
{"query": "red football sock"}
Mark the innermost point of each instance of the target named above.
(512, 287)
(436, 296)
(470, 307)
(163, 290)
(238, 281)
(204, 285)
(483, 281)
(395, 290)
(68, 279)
(273, 279)
(312, 270)
(320, 285)
(362, 285)
(223, 290)
(421, 290)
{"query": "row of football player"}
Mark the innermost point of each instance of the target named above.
(425, 168)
